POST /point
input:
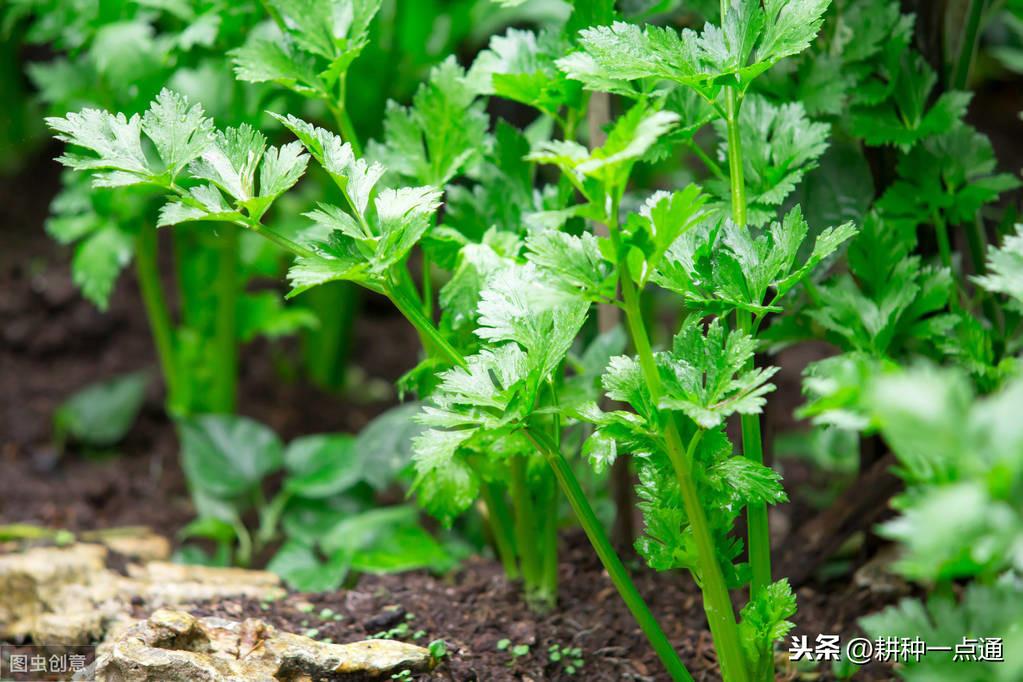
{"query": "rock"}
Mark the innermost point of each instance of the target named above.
(167, 584)
(32, 583)
(68, 595)
(134, 542)
(173, 646)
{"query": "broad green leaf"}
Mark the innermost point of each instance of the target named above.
(304, 570)
(322, 465)
(384, 446)
(101, 415)
(386, 540)
(227, 456)
(97, 262)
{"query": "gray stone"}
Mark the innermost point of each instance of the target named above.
(173, 646)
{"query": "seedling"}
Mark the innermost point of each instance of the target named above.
(569, 659)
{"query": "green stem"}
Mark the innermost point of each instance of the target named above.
(735, 170)
(225, 363)
(549, 553)
(944, 248)
(431, 336)
(758, 530)
(427, 286)
(270, 518)
(977, 242)
(615, 570)
(344, 121)
(525, 525)
(280, 240)
(968, 46)
(158, 314)
(501, 527)
(716, 600)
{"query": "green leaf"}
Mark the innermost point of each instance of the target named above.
(387, 540)
(264, 60)
(321, 465)
(779, 146)
(353, 176)
(180, 131)
(750, 40)
(384, 446)
(789, 27)
(937, 543)
(612, 56)
(304, 570)
(764, 621)
(735, 268)
(904, 119)
(460, 296)
(98, 260)
(445, 484)
(404, 216)
(230, 162)
(630, 139)
(101, 415)
(660, 222)
(1005, 269)
(227, 456)
(114, 140)
(204, 202)
(281, 169)
(440, 135)
(988, 611)
(518, 306)
(265, 314)
(520, 66)
(920, 414)
(950, 174)
(572, 262)
(705, 374)
(331, 29)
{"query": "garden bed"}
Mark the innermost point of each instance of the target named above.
(472, 609)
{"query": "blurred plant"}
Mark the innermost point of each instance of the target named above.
(324, 509)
